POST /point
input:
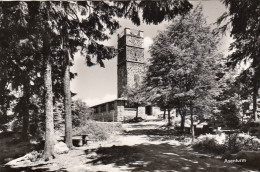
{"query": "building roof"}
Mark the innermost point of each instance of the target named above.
(121, 98)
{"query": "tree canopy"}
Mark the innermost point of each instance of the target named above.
(187, 51)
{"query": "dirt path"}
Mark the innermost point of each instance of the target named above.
(141, 152)
(142, 147)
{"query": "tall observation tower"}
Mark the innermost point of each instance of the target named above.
(130, 63)
(131, 69)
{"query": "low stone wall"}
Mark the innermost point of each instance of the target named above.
(129, 113)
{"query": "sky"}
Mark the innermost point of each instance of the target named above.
(95, 85)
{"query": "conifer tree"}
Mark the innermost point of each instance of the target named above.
(243, 17)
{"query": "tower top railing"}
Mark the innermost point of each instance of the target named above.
(128, 31)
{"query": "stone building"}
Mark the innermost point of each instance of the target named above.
(131, 68)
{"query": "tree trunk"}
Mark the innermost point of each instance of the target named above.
(48, 103)
(26, 112)
(67, 105)
(136, 112)
(35, 124)
(49, 125)
(164, 113)
(183, 115)
(255, 95)
(191, 123)
(169, 116)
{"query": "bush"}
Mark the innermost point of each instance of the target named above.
(247, 143)
(219, 139)
(242, 142)
(220, 144)
(98, 130)
(210, 145)
(232, 144)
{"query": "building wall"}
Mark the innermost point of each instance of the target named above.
(121, 79)
(119, 113)
(129, 113)
(135, 54)
(141, 111)
(105, 116)
(106, 112)
(156, 111)
(135, 74)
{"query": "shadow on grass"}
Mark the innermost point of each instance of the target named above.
(12, 145)
(24, 169)
(159, 132)
(162, 157)
(144, 125)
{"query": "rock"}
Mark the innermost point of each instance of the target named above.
(61, 148)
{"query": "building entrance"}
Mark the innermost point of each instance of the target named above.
(148, 110)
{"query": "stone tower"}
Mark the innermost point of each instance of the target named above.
(130, 63)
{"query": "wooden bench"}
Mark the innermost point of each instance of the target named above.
(79, 140)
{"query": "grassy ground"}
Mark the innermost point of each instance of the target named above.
(12, 146)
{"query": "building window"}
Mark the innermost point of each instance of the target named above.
(95, 109)
(111, 106)
(103, 108)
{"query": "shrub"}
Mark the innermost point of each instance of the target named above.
(98, 130)
(219, 139)
(242, 142)
(210, 145)
(247, 142)
(233, 143)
